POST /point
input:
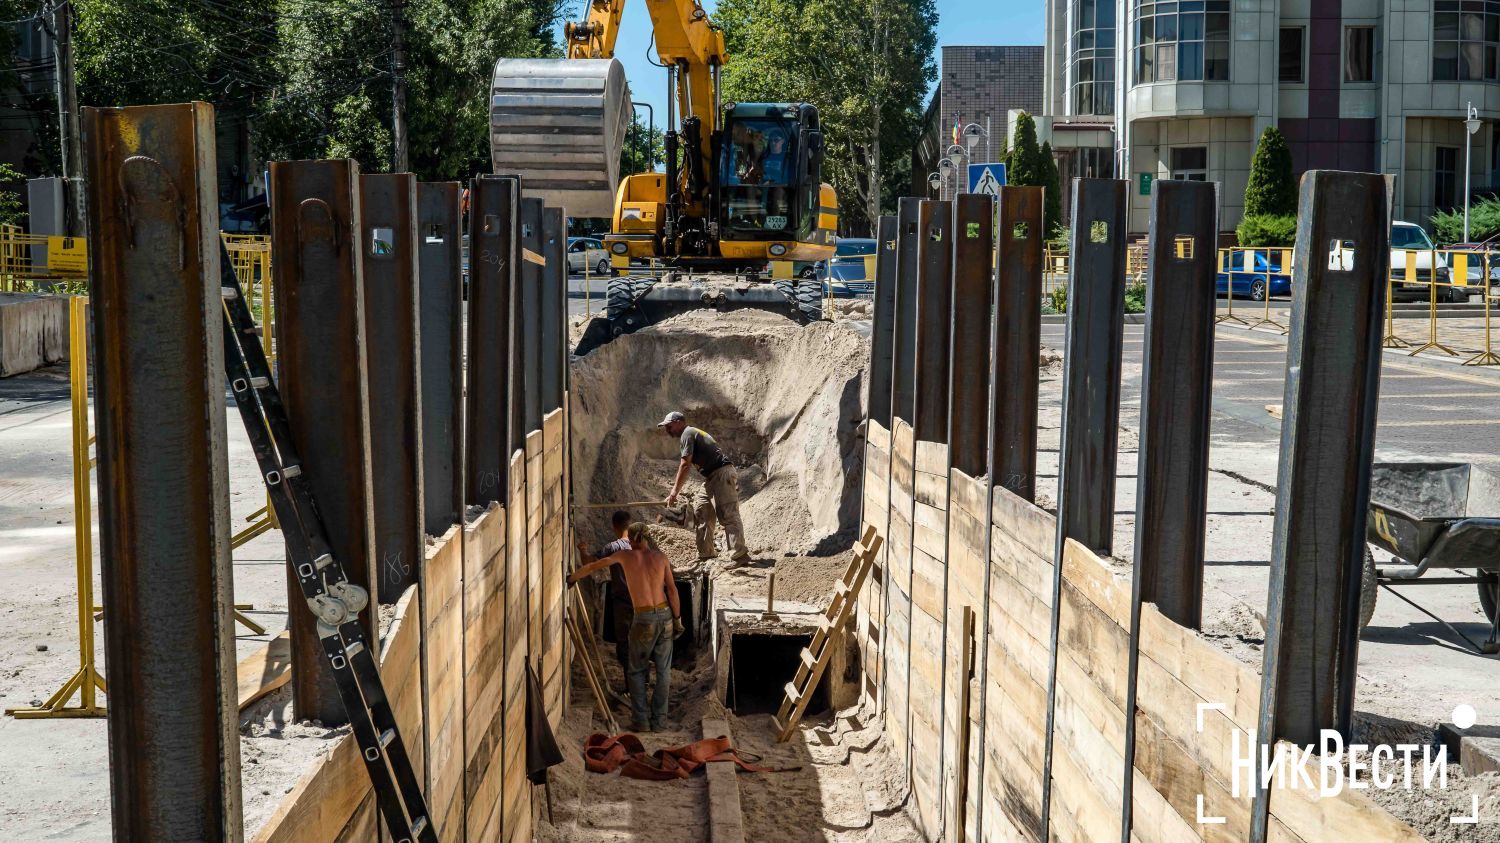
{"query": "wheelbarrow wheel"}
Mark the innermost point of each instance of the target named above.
(1369, 588)
(1489, 590)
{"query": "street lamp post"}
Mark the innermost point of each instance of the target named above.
(1472, 124)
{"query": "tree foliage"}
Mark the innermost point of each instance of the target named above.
(1484, 221)
(1052, 190)
(1267, 230)
(645, 149)
(12, 209)
(1271, 189)
(1028, 165)
(1024, 166)
(314, 77)
(865, 64)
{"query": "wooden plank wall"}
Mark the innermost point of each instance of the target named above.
(929, 587)
(442, 648)
(898, 605)
(1015, 655)
(484, 554)
(554, 546)
(962, 715)
(1088, 717)
(466, 726)
(875, 513)
(1174, 762)
(517, 626)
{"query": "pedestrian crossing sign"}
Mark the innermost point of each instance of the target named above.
(986, 178)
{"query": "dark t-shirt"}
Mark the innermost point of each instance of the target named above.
(702, 450)
(619, 591)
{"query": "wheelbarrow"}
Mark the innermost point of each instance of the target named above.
(1436, 517)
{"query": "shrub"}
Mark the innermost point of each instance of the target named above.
(1135, 298)
(1057, 299)
(1271, 189)
(1484, 220)
(1267, 230)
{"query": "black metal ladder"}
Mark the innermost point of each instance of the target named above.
(330, 595)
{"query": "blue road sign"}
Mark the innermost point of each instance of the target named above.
(986, 178)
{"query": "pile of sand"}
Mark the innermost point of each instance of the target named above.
(785, 402)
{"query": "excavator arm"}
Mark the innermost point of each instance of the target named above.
(687, 43)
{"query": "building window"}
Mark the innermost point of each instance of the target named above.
(1190, 163)
(1290, 64)
(1091, 57)
(1445, 177)
(1186, 41)
(1464, 43)
(1359, 54)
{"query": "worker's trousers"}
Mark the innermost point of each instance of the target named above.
(650, 647)
(720, 501)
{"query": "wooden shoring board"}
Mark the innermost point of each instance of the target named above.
(967, 569)
(324, 801)
(443, 655)
(876, 503)
(513, 716)
(484, 617)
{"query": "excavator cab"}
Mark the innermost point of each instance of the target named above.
(769, 184)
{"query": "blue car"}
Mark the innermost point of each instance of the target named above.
(1253, 285)
(845, 275)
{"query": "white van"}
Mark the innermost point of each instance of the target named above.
(1409, 237)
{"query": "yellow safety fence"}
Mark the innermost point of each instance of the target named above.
(31, 263)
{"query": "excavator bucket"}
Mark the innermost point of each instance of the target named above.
(559, 124)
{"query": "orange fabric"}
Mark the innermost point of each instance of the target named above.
(605, 754)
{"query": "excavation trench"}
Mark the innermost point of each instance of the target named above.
(785, 403)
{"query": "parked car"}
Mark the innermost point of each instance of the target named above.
(847, 272)
(1406, 238)
(587, 252)
(1264, 276)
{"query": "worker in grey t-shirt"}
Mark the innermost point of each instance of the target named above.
(721, 485)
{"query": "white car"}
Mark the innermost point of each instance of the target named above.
(587, 252)
(1409, 238)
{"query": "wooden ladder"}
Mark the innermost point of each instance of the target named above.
(830, 632)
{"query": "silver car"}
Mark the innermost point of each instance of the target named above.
(587, 253)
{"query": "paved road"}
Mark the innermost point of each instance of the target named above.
(1427, 409)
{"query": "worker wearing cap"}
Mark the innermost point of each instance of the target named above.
(721, 486)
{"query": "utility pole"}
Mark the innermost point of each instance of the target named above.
(67, 115)
(400, 161)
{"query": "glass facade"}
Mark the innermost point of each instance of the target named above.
(1091, 57)
(1182, 41)
(1465, 36)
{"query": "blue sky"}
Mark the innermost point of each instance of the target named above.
(985, 22)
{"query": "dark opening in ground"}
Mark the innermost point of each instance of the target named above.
(692, 596)
(760, 665)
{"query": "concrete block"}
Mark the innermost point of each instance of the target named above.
(1479, 755)
(33, 332)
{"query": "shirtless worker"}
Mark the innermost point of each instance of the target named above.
(619, 593)
(721, 486)
(658, 620)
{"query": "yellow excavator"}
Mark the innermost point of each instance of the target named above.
(742, 192)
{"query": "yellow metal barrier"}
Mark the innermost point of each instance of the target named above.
(87, 680)
(250, 255)
(39, 263)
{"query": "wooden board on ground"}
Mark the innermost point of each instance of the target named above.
(264, 670)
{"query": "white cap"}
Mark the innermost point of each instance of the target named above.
(673, 416)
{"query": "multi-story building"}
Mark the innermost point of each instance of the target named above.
(1150, 89)
(977, 86)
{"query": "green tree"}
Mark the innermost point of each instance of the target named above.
(12, 209)
(1024, 166)
(1271, 188)
(865, 64)
(1052, 190)
(644, 149)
